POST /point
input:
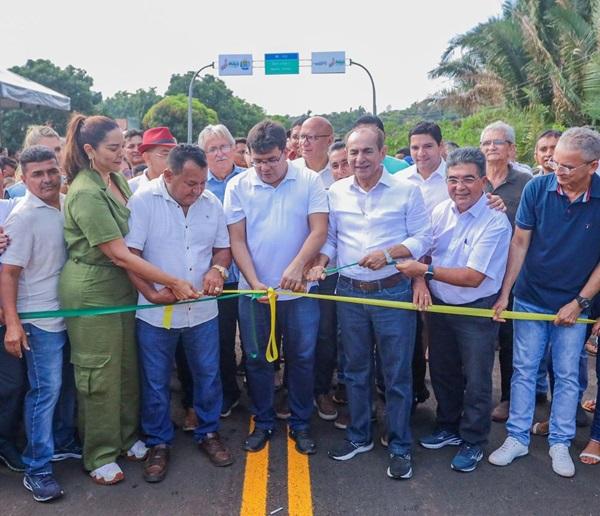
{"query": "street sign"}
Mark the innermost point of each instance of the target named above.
(328, 62)
(281, 64)
(235, 64)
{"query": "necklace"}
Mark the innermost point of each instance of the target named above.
(109, 181)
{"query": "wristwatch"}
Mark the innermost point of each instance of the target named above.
(583, 302)
(388, 257)
(224, 272)
(428, 275)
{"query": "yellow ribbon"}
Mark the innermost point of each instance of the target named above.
(167, 317)
(272, 347)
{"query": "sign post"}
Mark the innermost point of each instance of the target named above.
(328, 62)
(282, 64)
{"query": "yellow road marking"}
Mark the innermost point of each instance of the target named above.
(256, 476)
(299, 491)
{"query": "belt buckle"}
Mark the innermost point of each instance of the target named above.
(365, 286)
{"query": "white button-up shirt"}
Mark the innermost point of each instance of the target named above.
(361, 222)
(276, 218)
(434, 188)
(36, 231)
(478, 239)
(325, 175)
(138, 181)
(181, 245)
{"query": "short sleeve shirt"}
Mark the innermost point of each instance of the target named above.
(510, 191)
(565, 242)
(93, 216)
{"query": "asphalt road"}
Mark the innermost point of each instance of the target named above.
(359, 486)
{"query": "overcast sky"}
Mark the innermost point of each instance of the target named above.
(127, 45)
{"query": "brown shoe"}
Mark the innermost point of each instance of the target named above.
(190, 423)
(217, 452)
(500, 413)
(325, 407)
(342, 421)
(156, 465)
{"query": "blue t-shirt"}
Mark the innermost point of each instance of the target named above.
(565, 242)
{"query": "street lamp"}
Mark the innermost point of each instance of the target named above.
(372, 83)
(190, 92)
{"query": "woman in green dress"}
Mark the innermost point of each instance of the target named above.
(103, 348)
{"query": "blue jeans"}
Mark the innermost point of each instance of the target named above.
(531, 340)
(45, 363)
(299, 323)
(595, 432)
(394, 332)
(156, 350)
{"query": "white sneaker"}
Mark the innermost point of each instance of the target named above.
(108, 474)
(562, 464)
(509, 451)
(137, 452)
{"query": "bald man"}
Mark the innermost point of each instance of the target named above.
(316, 135)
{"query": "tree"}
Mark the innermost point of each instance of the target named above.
(70, 81)
(124, 104)
(238, 115)
(172, 113)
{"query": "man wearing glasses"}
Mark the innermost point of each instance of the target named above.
(498, 144)
(277, 219)
(554, 260)
(468, 259)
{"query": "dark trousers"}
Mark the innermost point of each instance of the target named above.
(326, 352)
(505, 355)
(461, 360)
(185, 377)
(13, 385)
(419, 364)
(228, 321)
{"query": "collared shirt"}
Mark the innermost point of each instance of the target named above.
(181, 245)
(510, 190)
(479, 239)
(277, 222)
(138, 181)
(434, 188)
(38, 246)
(325, 175)
(217, 186)
(564, 247)
(360, 222)
(6, 206)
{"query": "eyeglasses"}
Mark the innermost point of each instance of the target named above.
(467, 181)
(557, 167)
(266, 162)
(313, 137)
(496, 143)
(220, 148)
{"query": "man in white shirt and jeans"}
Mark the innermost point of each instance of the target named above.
(179, 226)
(468, 260)
(375, 219)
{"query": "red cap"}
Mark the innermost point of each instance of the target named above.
(157, 136)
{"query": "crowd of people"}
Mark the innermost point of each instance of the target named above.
(106, 218)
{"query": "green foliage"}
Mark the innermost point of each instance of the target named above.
(70, 81)
(124, 104)
(172, 113)
(238, 115)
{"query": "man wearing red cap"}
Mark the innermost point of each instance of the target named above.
(155, 147)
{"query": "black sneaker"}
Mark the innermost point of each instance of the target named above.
(228, 406)
(349, 450)
(400, 467)
(73, 451)
(304, 442)
(43, 487)
(257, 440)
(11, 457)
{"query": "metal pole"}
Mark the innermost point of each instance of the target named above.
(190, 94)
(372, 83)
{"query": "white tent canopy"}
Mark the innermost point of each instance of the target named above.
(16, 90)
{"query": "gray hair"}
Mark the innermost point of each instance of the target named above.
(214, 130)
(335, 146)
(36, 132)
(499, 125)
(467, 155)
(582, 139)
(36, 154)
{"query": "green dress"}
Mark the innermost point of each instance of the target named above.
(103, 349)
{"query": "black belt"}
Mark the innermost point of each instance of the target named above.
(373, 286)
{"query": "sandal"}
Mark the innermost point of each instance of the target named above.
(591, 346)
(108, 474)
(589, 455)
(589, 405)
(541, 428)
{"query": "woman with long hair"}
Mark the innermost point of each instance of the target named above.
(103, 349)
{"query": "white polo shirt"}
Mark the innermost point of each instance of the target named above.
(325, 175)
(178, 244)
(138, 181)
(360, 222)
(276, 218)
(37, 244)
(478, 239)
(434, 188)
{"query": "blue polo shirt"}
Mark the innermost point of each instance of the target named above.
(565, 242)
(217, 186)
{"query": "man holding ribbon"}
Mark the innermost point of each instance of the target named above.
(179, 226)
